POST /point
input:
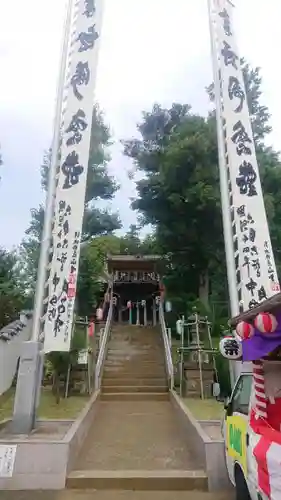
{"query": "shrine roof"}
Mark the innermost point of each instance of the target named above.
(132, 258)
(272, 304)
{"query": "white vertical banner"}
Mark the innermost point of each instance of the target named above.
(72, 178)
(254, 261)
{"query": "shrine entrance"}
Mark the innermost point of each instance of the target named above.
(135, 288)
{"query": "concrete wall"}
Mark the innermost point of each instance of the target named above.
(38, 465)
(9, 355)
(210, 451)
(79, 430)
(43, 464)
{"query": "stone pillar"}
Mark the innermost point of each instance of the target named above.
(154, 313)
(138, 314)
(144, 314)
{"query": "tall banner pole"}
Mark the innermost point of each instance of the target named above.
(225, 202)
(234, 367)
(255, 277)
(60, 250)
(51, 190)
(72, 177)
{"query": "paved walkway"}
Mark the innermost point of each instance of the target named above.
(114, 495)
(136, 435)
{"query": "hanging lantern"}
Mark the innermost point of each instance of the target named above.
(129, 304)
(230, 348)
(179, 326)
(265, 323)
(244, 330)
(168, 306)
(99, 314)
(91, 329)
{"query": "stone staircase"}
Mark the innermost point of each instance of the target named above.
(135, 368)
(136, 442)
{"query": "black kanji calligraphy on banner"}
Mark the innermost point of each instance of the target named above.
(246, 179)
(52, 311)
(80, 77)
(236, 91)
(241, 211)
(243, 225)
(262, 293)
(246, 264)
(64, 208)
(90, 8)
(226, 22)
(229, 56)
(253, 303)
(77, 125)
(254, 250)
(72, 170)
(58, 325)
(251, 286)
(55, 281)
(241, 139)
(252, 235)
(87, 40)
(257, 267)
(65, 227)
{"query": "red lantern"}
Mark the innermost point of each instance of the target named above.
(244, 330)
(265, 323)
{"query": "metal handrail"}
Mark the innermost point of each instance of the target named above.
(103, 347)
(167, 346)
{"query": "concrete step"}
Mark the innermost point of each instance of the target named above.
(134, 381)
(135, 396)
(141, 357)
(134, 388)
(135, 362)
(91, 494)
(138, 480)
(110, 372)
(135, 351)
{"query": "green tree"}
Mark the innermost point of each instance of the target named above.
(11, 296)
(179, 192)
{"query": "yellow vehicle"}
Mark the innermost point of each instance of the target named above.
(252, 421)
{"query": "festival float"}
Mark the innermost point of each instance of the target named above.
(253, 435)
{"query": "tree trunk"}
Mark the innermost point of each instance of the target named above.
(204, 288)
(56, 387)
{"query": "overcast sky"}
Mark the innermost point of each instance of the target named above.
(151, 50)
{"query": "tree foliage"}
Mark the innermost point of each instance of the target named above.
(11, 296)
(179, 193)
(100, 186)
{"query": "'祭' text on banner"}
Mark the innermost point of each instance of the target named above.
(70, 191)
(254, 261)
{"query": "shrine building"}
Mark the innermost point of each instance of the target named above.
(136, 287)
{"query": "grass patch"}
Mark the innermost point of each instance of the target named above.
(67, 409)
(207, 409)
